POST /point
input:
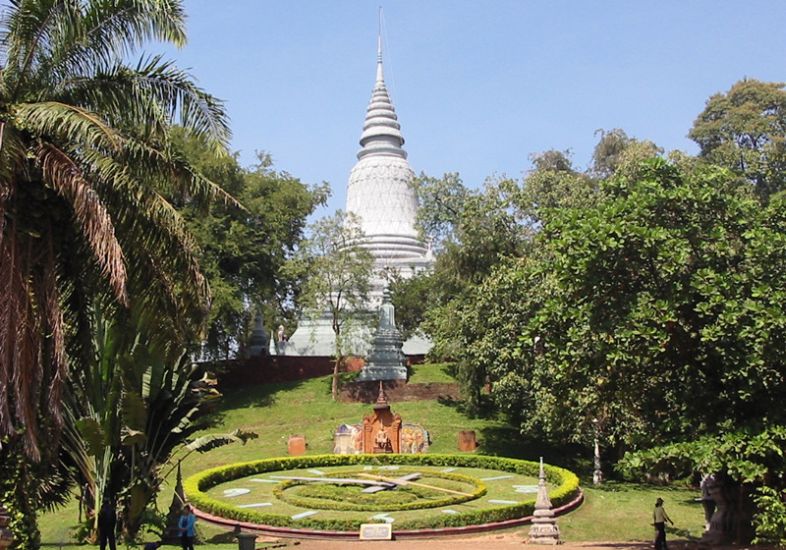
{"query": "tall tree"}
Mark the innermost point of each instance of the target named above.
(615, 151)
(86, 160)
(241, 252)
(657, 311)
(336, 271)
(744, 129)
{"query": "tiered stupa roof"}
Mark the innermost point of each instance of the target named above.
(379, 189)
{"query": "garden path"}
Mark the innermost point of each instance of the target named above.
(489, 542)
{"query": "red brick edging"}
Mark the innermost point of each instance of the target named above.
(291, 532)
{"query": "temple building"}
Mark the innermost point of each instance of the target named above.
(380, 194)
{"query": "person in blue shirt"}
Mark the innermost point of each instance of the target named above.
(187, 526)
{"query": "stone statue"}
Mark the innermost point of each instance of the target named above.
(281, 341)
(382, 440)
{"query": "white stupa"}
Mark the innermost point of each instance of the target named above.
(380, 194)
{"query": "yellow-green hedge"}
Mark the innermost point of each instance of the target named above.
(566, 482)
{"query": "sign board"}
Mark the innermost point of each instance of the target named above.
(376, 531)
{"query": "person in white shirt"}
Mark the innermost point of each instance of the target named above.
(659, 519)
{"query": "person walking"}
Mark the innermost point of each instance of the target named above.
(107, 523)
(659, 519)
(187, 527)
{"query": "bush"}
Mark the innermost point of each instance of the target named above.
(770, 518)
(566, 482)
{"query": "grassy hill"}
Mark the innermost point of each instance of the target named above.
(276, 411)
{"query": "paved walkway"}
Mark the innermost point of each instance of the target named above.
(492, 542)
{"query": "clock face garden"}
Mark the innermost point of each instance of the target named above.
(341, 492)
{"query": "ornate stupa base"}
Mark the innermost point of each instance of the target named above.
(544, 531)
(376, 373)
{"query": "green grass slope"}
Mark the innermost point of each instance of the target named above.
(276, 411)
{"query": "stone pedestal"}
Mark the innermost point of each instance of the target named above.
(296, 445)
(544, 529)
(467, 440)
(246, 541)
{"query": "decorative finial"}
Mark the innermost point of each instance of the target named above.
(380, 76)
(382, 399)
(379, 37)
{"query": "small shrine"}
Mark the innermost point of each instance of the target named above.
(382, 428)
(382, 431)
(257, 344)
(386, 361)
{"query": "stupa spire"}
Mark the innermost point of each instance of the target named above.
(381, 130)
(380, 75)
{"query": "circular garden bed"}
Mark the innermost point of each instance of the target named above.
(446, 493)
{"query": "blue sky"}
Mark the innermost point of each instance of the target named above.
(478, 85)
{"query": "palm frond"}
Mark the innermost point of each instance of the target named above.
(174, 90)
(111, 30)
(25, 334)
(67, 124)
(56, 331)
(174, 173)
(66, 178)
(212, 441)
(30, 26)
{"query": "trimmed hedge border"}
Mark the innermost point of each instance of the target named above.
(479, 490)
(565, 493)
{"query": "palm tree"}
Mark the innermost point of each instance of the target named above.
(85, 163)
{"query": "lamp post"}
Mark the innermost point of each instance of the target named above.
(597, 473)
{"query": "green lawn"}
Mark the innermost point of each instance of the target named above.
(432, 372)
(276, 411)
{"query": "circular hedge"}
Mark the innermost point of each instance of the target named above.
(565, 483)
(478, 490)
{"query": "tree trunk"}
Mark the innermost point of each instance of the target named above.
(731, 521)
(334, 386)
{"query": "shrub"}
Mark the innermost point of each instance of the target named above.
(566, 482)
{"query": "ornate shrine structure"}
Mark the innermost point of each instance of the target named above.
(382, 428)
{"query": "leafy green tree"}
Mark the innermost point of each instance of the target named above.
(477, 230)
(336, 273)
(750, 472)
(744, 130)
(655, 311)
(86, 158)
(551, 185)
(411, 297)
(242, 252)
